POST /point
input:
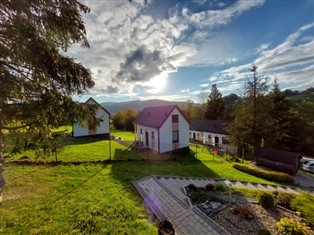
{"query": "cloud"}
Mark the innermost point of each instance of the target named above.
(110, 89)
(214, 18)
(291, 61)
(142, 65)
(131, 44)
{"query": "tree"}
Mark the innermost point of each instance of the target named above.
(215, 104)
(191, 110)
(201, 109)
(251, 121)
(230, 102)
(124, 120)
(37, 77)
(283, 117)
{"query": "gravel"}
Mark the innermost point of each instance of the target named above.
(263, 218)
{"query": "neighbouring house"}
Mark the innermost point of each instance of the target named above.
(213, 133)
(278, 159)
(102, 130)
(162, 129)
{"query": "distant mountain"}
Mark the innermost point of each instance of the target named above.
(114, 107)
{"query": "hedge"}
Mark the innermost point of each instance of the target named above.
(267, 175)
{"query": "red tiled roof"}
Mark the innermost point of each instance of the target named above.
(155, 116)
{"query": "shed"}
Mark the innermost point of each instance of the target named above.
(280, 160)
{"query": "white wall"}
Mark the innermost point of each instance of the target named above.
(102, 129)
(212, 140)
(166, 144)
(198, 135)
(153, 142)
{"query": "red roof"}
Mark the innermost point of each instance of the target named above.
(155, 116)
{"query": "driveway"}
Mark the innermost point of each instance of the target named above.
(304, 179)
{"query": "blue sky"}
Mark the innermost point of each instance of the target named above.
(173, 50)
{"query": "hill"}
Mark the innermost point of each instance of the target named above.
(300, 97)
(114, 107)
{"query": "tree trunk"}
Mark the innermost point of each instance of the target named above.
(1, 164)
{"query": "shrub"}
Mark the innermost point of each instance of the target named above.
(268, 175)
(221, 187)
(265, 199)
(284, 199)
(304, 203)
(264, 231)
(209, 187)
(192, 187)
(291, 227)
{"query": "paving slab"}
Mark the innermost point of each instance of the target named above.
(164, 195)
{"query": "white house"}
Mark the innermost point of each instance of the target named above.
(212, 132)
(102, 129)
(162, 129)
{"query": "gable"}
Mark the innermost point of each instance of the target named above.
(156, 116)
(94, 102)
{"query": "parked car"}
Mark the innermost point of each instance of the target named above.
(308, 166)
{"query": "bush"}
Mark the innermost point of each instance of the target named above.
(267, 175)
(264, 231)
(304, 203)
(192, 187)
(284, 199)
(221, 187)
(265, 199)
(209, 187)
(291, 227)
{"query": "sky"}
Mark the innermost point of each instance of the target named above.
(173, 50)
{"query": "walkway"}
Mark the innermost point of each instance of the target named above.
(164, 195)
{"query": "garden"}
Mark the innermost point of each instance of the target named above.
(243, 211)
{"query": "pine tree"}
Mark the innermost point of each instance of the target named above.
(37, 78)
(215, 104)
(251, 121)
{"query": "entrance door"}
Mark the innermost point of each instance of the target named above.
(147, 139)
(194, 136)
(216, 141)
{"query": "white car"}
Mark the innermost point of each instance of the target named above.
(308, 166)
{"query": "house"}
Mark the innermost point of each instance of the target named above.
(213, 133)
(162, 129)
(278, 159)
(102, 129)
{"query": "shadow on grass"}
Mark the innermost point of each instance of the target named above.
(83, 140)
(176, 165)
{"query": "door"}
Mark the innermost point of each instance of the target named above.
(146, 139)
(194, 136)
(216, 141)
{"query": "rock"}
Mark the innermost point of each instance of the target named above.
(215, 205)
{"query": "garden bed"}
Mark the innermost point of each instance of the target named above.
(243, 215)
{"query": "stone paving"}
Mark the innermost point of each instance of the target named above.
(164, 195)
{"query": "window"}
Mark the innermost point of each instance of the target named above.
(141, 131)
(175, 136)
(209, 137)
(153, 135)
(175, 118)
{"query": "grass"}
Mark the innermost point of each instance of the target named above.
(94, 198)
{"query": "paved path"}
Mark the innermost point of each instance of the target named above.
(164, 195)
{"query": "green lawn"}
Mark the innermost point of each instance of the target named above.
(94, 198)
